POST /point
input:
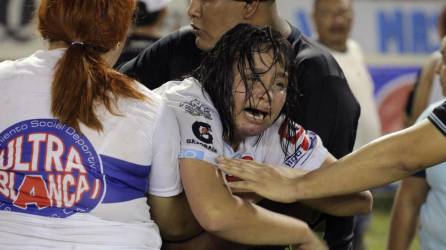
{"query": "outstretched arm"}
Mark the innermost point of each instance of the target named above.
(382, 161)
(271, 179)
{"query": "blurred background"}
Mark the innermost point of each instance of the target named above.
(397, 37)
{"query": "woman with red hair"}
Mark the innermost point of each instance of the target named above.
(78, 152)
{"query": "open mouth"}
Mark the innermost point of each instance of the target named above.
(255, 113)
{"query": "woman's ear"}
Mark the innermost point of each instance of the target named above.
(250, 9)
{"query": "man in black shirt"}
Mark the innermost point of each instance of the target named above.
(328, 106)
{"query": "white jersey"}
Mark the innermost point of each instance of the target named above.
(201, 133)
(62, 189)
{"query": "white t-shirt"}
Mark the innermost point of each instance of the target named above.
(62, 189)
(201, 133)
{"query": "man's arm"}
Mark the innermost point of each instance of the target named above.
(411, 195)
(169, 58)
(345, 205)
(383, 161)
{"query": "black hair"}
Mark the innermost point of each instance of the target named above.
(236, 50)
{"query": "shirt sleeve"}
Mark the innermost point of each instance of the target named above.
(199, 123)
(201, 132)
(420, 174)
(438, 117)
(164, 180)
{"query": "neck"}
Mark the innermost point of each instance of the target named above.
(341, 47)
(109, 57)
(57, 45)
(235, 143)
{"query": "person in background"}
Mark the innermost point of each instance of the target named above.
(68, 177)
(427, 89)
(421, 198)
(149, 18)
(328, 107)
(333, 21)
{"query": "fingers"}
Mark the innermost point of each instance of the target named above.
(242, 186)
(240, 191)
(242, 169)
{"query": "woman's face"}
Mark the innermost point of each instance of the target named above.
(255, 112)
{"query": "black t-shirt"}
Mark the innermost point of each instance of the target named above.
(329, 107)
(170, 58)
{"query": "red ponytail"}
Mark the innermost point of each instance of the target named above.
(82, 78)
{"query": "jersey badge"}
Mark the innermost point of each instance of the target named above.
(196, 108)
(203, 132)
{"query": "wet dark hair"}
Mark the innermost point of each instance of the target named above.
(236, 50)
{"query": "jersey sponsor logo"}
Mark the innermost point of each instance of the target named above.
(206, 146)
(192, 154)
(203, 132)
(48, 169)
(302, 152)
(196, 108)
